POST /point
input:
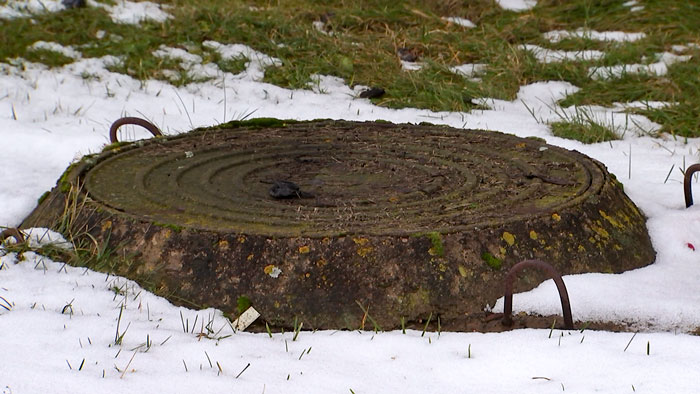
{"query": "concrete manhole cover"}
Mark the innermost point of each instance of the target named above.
(394, 222)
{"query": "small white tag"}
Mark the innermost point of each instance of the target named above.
(246, 319)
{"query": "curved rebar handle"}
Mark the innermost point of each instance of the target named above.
(686, 184)
(563, 294)
(132, 120)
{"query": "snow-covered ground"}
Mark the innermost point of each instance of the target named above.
(60, 327)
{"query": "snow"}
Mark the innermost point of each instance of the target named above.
(460, 21)
(24, 8)
(60, 325)
(658, 68)
(411, 66)
(469, 70)
(545, 55)
(134, 13)
(56, 47)
(127, 12)
(517, 5)
(619, 36)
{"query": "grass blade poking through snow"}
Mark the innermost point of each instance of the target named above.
(628, 343)
(426, 324)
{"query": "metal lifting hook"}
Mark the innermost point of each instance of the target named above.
(132, 120)
(563, 295)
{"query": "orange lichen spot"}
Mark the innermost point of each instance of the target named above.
(556, 217)
(304, 249)
(321, 262)
(241, 239)
(223, 244)
(394, 199)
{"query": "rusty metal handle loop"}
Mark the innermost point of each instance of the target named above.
(686, 184)
(12, 232)
(563, 294)
(132, 120)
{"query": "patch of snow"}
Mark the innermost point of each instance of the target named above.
(411, 66)
(191, 63)
(459, 21)
(619, 36)
(133, 13)
(326, 84)
(469, 70)
(178, 54)
(58, 48)
(642, 105)
(258, 61)
(658, 68)
(539, 101)
(545, 55)
(517, 5)
(38, 237)
(25, 8)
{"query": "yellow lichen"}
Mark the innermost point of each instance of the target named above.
(610, 219)
(272, 270)
(581, 249)
(556, 217)
(250, 257)
(106, 225)
(304, 249)
(361, 241)
(600, 231)
(533, 235)
(321, 263)
(509, 238)
(363, 252)
(223, 244)
(241, 239)
(462, 271)
(364, 248)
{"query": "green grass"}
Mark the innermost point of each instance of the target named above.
(586, 132)
(365, 35)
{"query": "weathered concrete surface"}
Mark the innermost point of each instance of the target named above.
(402, 221)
